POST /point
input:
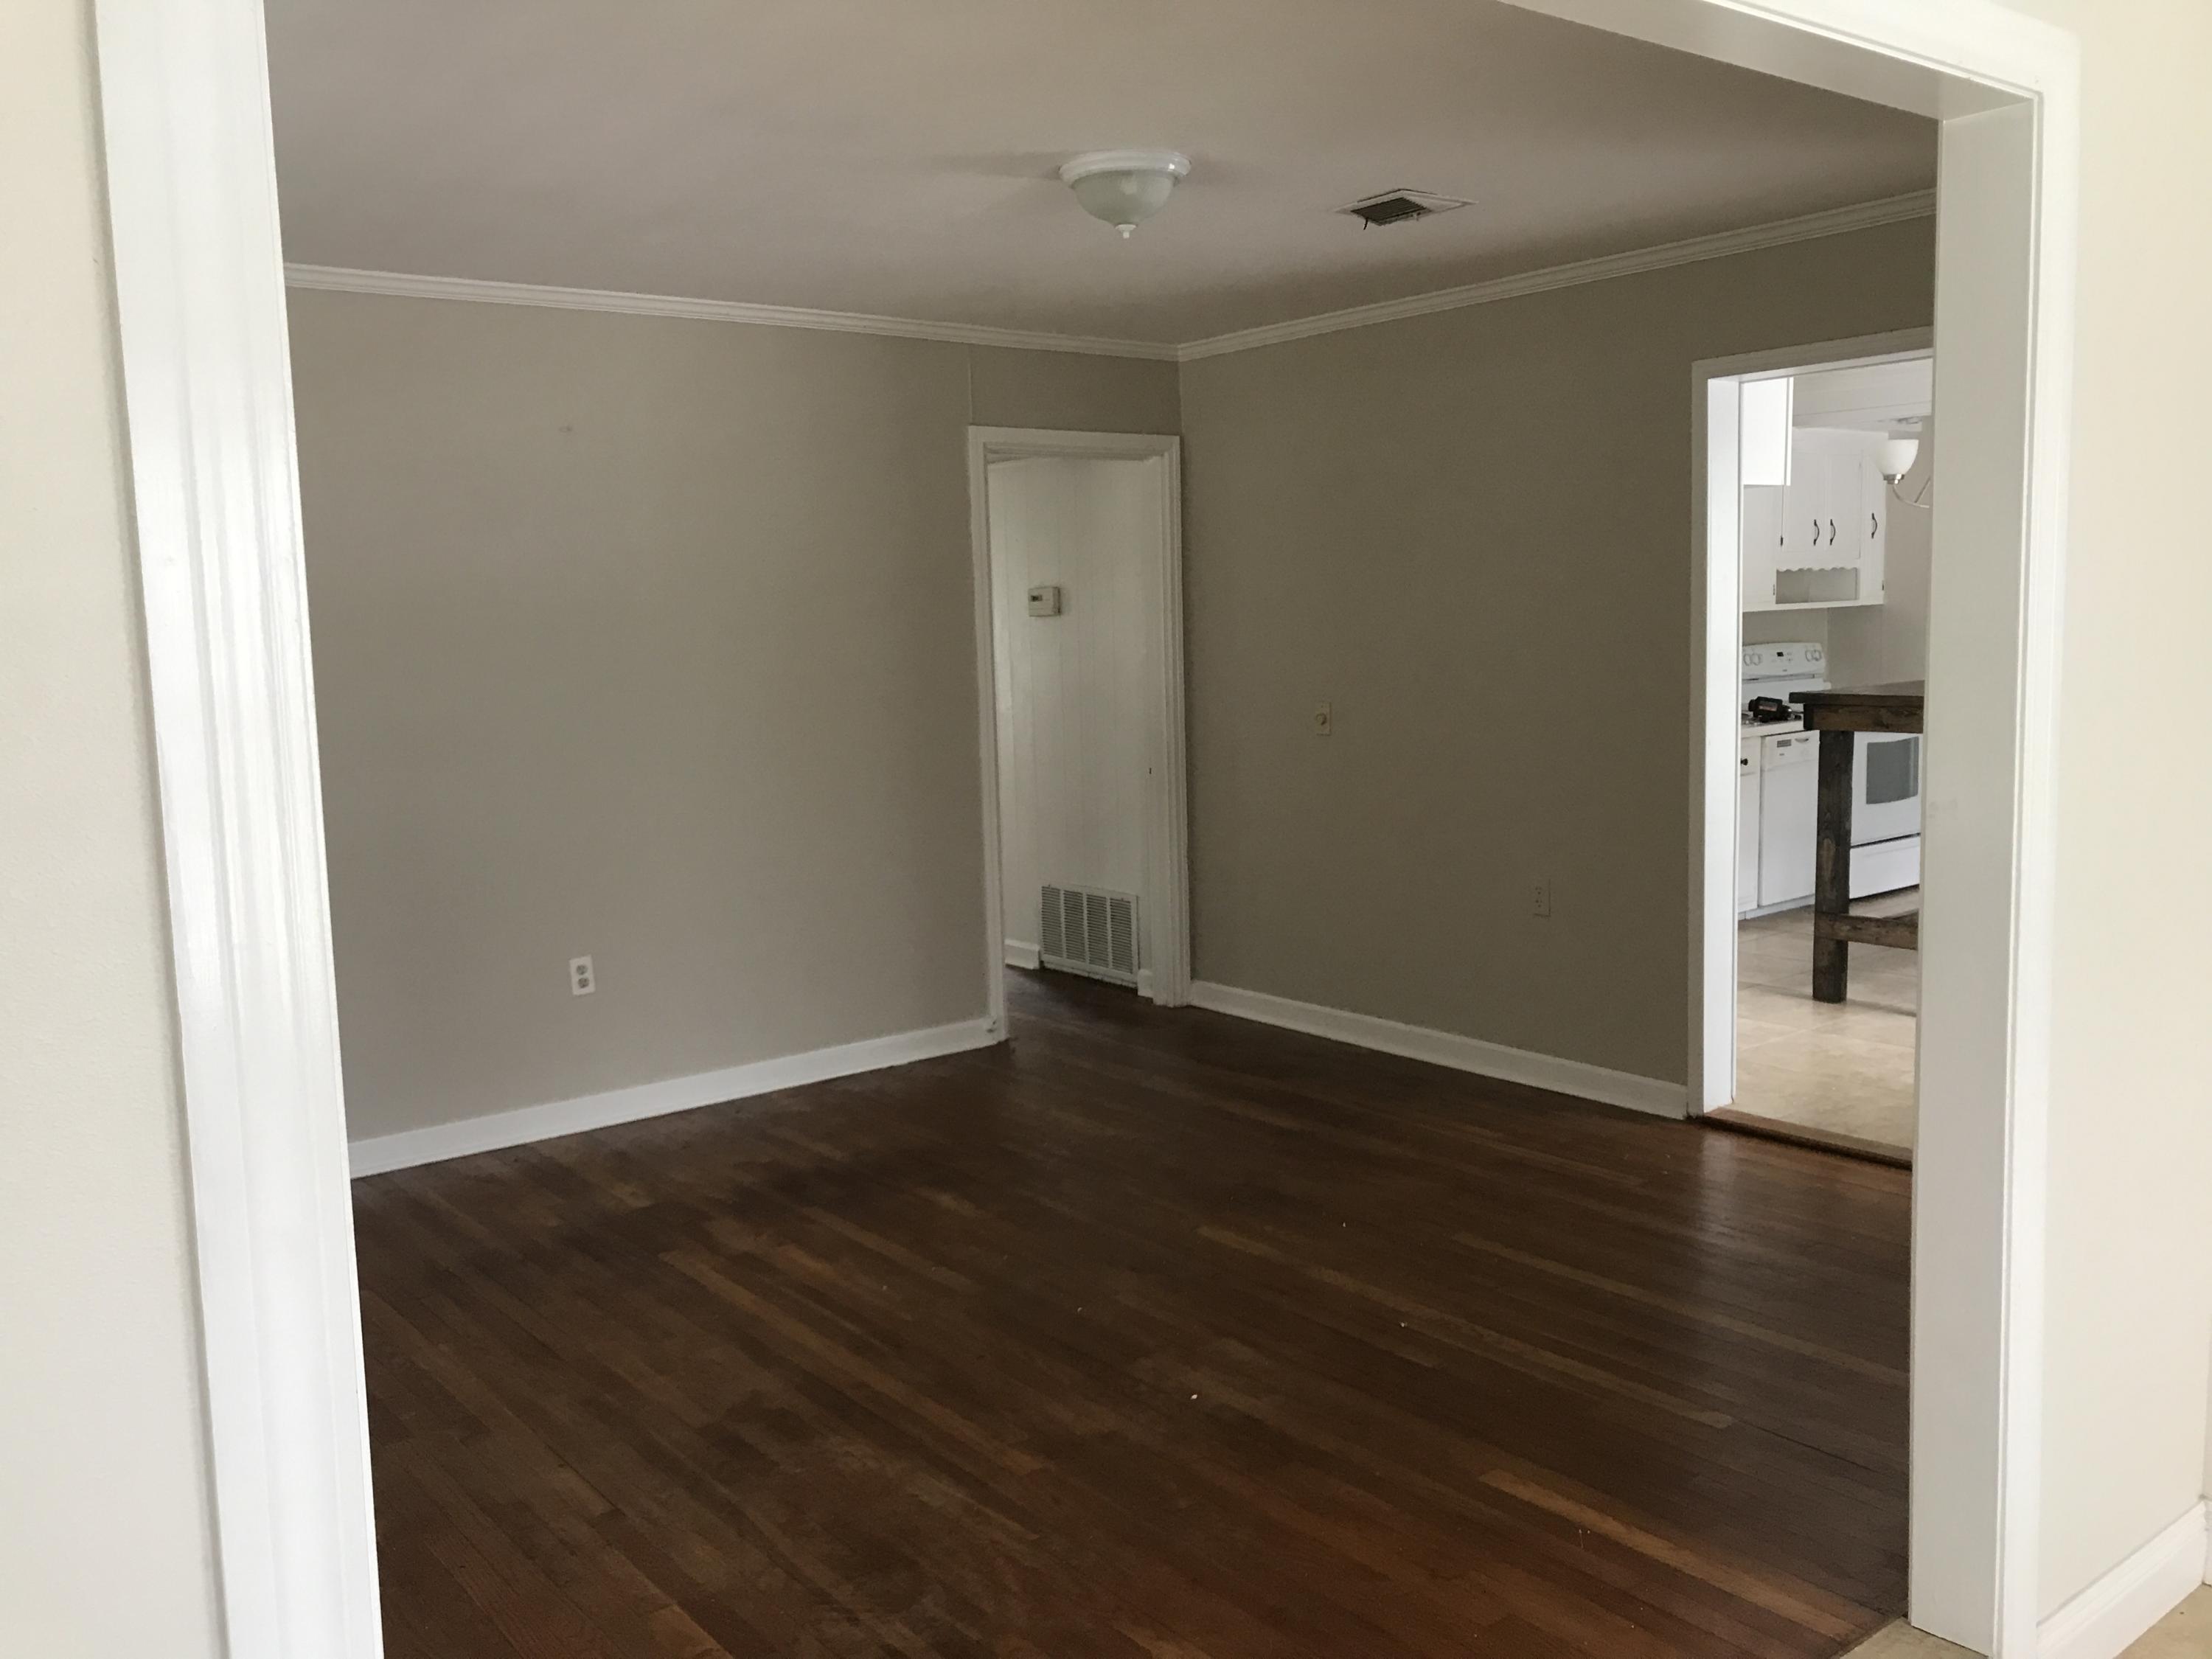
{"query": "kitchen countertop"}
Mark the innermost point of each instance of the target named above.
(1905, 695)
(1900, 706)
(1770, 728)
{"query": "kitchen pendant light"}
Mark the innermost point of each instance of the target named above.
(1124, 188)
(1898, 455)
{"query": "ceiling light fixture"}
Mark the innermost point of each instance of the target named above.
(1898, 455)
(1124, 188)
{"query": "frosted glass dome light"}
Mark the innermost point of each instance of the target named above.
(1124, 188)
(1898, 455)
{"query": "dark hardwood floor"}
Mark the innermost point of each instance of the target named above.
(1155, 1336)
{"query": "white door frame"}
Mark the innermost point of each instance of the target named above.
(192, 185)
(207, 388)
(1167, 818)
(1716, 674)
(2005, 89)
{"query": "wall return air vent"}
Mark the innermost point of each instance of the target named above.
(1401, 207)
(1083, 930)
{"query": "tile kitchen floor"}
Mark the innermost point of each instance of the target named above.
(2185, 1633)
(1843, 1067)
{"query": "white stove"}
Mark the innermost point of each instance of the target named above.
(1777, 790)
(1776, 671)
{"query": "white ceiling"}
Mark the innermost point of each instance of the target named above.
(896, 157)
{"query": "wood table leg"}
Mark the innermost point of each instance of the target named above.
(1831, 868)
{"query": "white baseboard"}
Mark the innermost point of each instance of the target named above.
(380, 1153)
(1019, 954)
(1462, 1054)
(2104, 1619)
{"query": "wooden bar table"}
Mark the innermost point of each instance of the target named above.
(1840, 717)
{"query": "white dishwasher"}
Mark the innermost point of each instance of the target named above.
(1788, 800)
(1747, 824)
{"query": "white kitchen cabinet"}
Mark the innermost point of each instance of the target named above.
(1765, 424)
(1818, 542)
(1875, 502)
(1808, 508)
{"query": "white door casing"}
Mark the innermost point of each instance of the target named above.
(1166, 827)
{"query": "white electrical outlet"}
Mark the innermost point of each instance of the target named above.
(1324, 722)
(581, 981)
(1543, 895)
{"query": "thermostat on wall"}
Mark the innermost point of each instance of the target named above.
(1044, 601)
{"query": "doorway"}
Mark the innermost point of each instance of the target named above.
(1079, 638)
(1827, 530)
(187, 146)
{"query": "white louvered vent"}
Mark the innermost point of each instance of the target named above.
(1084, 931)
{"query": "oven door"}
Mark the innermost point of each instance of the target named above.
(1886, 788)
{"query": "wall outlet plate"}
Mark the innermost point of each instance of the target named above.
(1543, 893)
(1324, 721)
(1044, 600)
(582, 981)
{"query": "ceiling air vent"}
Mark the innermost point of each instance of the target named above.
(1401, 207)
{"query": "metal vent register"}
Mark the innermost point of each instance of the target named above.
(1084, 931)
(1398, 207)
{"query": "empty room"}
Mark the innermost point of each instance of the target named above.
(1165, 833)
(649, 654)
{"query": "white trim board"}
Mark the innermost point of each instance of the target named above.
(1778, 234)
(214, 497)
(404, 285)
(498, 1131)
(1462, 1054)
(1719, 246)
(2105, 1620)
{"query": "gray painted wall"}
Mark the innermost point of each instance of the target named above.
(648, 639)
(1470, 533)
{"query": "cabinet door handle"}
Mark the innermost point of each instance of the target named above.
(1832, 533)
(1874, 523)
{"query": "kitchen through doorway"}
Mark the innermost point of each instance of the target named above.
(1078, 580)
(1812, 1011)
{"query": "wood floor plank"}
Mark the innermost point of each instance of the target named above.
(1152, 1334)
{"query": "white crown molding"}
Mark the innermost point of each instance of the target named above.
(379, 1154)
(1462, 1054)
(400, 284)
(1864, 216)
(1779, 233)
